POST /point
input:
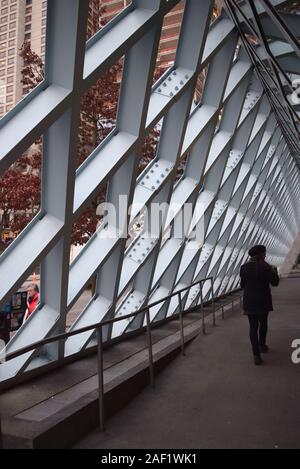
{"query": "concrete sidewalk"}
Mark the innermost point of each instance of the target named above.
(215, 397)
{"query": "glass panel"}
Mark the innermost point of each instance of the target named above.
(98, 111)
(21, 305)
(169, 39)
(20, 194)
(101, 12)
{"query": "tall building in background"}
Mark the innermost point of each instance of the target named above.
(35, 25)
(12, 30)
(170, 30)
(20, 20)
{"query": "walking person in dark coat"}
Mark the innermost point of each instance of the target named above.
(256, 277)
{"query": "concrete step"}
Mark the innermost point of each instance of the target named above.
(60, 418)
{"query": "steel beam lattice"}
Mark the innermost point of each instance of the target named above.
(239, 147)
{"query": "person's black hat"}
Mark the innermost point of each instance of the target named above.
(256, 250)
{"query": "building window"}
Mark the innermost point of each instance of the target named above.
(4, 3)
(4, 11)
(3, 37)
(11, 61)
(13, 16)
(4, 19)
(27, 27)
(9, 99)
(13, 8)
(12, 33)
(2, 73)
(10, 79)
(28, 2)
(12, 25)
(2, 55)
(2, 63)
(27, 36)
(10, 70)
(3, 28)
(28, 18)
(44, 13)
(9, 89)
(11, 52)
(11, 43)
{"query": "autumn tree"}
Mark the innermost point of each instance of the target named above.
(33, 67)
(20, 194)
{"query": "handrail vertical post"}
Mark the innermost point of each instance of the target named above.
(100, 377)
(150, 351)
(213, 300)
(1, 435)
(202, 309)
(181, 323)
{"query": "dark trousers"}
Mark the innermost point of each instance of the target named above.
(4, 327)
(258, 330)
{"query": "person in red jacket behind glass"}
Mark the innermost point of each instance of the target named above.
(32, 300)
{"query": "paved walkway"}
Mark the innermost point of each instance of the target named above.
(215, 397)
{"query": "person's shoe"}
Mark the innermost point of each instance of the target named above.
(264, 348)
(257, 360)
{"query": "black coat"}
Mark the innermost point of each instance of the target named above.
(256, 280)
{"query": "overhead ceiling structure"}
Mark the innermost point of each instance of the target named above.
(238, 148)
(271, 41)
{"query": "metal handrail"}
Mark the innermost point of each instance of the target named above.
(98, 327)
(66, 335)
